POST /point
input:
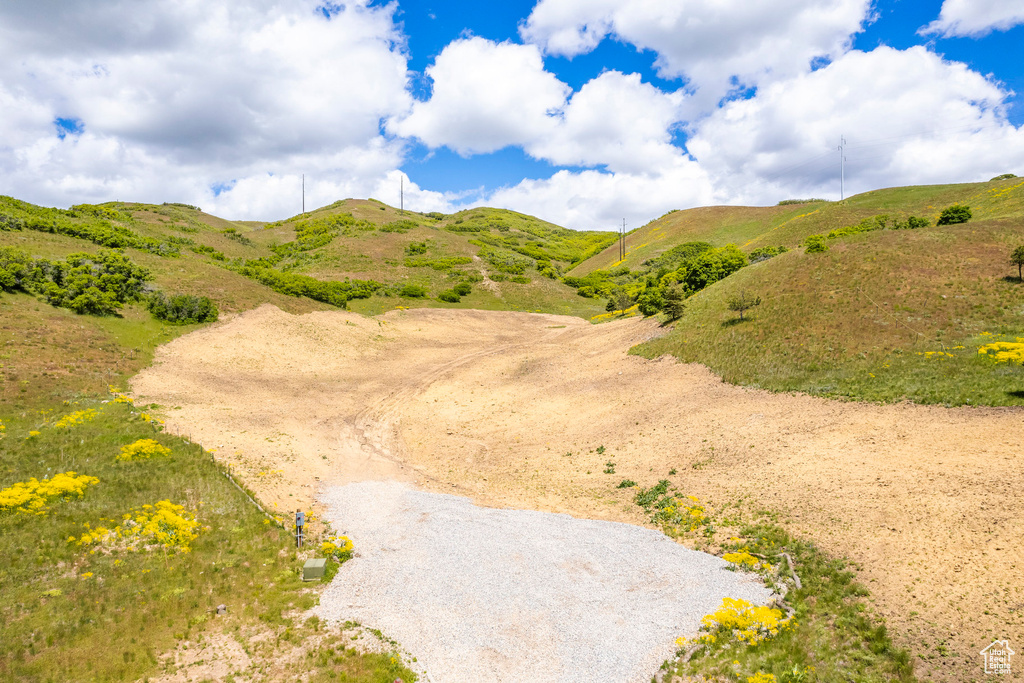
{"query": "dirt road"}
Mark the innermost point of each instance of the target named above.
(511, 409)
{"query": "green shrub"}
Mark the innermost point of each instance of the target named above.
(182, 309)
(449, 296)
(520, 279)
(416, 248)
(596, 283)
(209, 251)
(957, 213)
(815, 244)
(787, 202)
(650, 301)
(506, 262)
(413, 291)
(444, 263)
(463, 289)
(765, 253)
(403, 225)
(232, 233)
(915, 222)
(679, 254)
(1005, 176)
(97, 285)
(331, 292)
(84, 221)
(545, 268)
(314, 233)
(710, 267)
(15, 269)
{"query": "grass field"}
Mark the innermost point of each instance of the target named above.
(787, 225)
(98, 612)
(885, 315)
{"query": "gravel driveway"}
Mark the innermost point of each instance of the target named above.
(480, 594)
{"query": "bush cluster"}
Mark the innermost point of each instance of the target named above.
(182, 309)
(96, 284)
(815, 244)
(951, 215)
(505, 261)
(765, 253)
(413, 291)
(336, 293)
(443, 263)
(403, 225)
(84, 221)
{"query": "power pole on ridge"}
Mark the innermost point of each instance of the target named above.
(303, 194)
(622, 242)
(842, 168)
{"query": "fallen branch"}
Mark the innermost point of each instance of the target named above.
(792, 570)
(689, 653)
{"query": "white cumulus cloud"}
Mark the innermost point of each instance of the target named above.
(908, 116)
(615, 120)
(718, 45)
(976, 17)
(486, 96)
(168, 98)
(599, 200)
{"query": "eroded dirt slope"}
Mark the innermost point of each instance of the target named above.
(510, 410)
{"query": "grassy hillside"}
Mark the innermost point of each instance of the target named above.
(512, 261)
(787, 225)
(102, 611)
(882, 315)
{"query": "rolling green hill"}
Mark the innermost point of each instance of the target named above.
(787, 225)
(883, 314)
(360, 254)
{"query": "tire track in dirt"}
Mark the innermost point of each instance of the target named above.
(377, 428)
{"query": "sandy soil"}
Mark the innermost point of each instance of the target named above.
(509, 409)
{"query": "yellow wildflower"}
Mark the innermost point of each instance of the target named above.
(164, 524)
(76, 418)
(31, 496)
(143, 449)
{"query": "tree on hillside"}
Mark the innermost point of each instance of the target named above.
(742, 302)
(958, 213)
(619, 301)
(1017, 259)
(674, 303)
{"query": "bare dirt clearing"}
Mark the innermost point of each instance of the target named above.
(510, 409)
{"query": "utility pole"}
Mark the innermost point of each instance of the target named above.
(303, 194)
(622, 242)
(401, 194)
(842, 168)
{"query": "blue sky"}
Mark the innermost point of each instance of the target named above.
(583, 112)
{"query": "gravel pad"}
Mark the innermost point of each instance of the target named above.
(481, 594)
